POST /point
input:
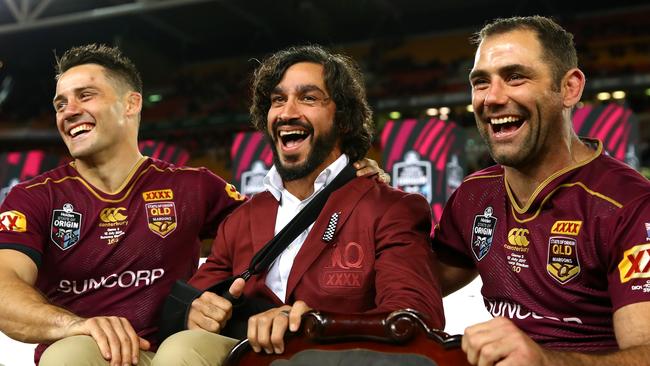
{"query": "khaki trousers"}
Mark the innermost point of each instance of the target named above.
(189, 347)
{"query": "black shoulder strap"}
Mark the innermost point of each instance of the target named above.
(271, 250)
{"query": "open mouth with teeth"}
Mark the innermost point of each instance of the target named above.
(81, 129)
(506, 125)
(290, 139)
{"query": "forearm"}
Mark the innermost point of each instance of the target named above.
(25, 315)
(632, 356)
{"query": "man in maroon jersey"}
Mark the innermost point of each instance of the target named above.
(89, 250)
(558, 230)
(367, 252)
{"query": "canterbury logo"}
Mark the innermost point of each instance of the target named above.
(566, 227)
(635, 263)
(159, 195)
(112, 214)
(518, 237)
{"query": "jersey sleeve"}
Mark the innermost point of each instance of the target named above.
(24, 222)
(220, 199)
(448, 241)
(628, 257)
(218, 265)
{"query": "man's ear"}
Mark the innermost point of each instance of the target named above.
(573, 83)
(133, 103)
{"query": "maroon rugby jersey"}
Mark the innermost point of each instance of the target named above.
(115, 254)
(560, 266)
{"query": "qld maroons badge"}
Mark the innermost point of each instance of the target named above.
(563, 264)
(161, 217)
(483, 232)
(66, 227)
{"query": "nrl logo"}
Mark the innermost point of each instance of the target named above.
(413, 175)
(252, 181)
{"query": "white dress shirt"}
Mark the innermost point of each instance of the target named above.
(289, 207)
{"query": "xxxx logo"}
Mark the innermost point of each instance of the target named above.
(635, 263)
(343, 269)
(158, 195)
(112, 214)
(13, 221)
(339, 279)
(518, 237)
(566, 227)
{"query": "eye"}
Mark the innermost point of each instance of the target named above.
(85, 96)
(59, 106)
(515, 79)
(480, 83)
(310, 98)
(277, 99)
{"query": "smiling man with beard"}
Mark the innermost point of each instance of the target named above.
(312, 105)
(558, 230)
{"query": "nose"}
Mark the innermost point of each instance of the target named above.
(495, 94)
(289, 110)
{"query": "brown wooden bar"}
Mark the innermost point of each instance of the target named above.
(400, 332)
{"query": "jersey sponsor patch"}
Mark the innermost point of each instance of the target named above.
(517, 240)
(112, 215)
(66, 227)
(635, 263)
(563, 264)
(125, 279)
(158, 195)
(161, 217)
(566, 228)
(13, 221)
(232, 193)
(483, 233)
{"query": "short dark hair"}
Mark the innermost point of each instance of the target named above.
(556, 43)
(344, 83)
(116, 64)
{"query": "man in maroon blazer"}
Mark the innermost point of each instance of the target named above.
(368, 251)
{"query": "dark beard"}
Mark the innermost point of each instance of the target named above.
(321, 149)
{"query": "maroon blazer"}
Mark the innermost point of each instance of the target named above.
(379, 259)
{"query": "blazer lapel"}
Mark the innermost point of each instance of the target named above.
(342, 201)
(263, 211)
